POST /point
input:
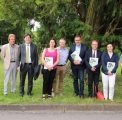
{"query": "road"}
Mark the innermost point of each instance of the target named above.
(48, 115)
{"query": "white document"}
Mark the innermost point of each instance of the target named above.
(49, 61)
(93, 61)
(110, 66)
(75, 56)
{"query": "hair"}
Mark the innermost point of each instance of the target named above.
(27, 34)
(95, 41)
(110, 43)
(78, 36)
(54, 41)
(11, 35)
(62, 39)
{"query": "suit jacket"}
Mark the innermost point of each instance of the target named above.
(82, 55)
(87, 58)
(105, 59)
(6, 56)
(22, 54)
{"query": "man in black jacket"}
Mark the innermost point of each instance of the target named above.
(28, 58)
(93, 64)
(77, 59)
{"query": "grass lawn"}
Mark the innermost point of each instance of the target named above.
(67, 97)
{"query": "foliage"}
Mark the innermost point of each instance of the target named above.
(62, 18)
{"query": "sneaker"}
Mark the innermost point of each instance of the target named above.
(43, 96)
(49, 96)
(5, 94)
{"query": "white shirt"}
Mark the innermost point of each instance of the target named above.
(28, 46)
(77, 49)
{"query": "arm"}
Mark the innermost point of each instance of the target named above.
(56, 60)
(116, 64)
(104, 67)
(43, 57)
(36, 56)
(87, 61)
(83, 58)
(19, 56)
(69, 56)
(99, 61)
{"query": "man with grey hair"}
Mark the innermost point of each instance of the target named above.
(9, 56)
(61, 67)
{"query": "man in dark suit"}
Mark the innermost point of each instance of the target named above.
(93, 67)
(27, 59)
(78, 65)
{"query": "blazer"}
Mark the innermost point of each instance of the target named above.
(82, 55)
(87, 58)
(105, 59)
(22, 54)
(6, 56)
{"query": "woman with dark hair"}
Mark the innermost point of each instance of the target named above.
(50, 59)
(109, 67)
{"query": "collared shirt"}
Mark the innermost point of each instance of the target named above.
(77, 49)
(12, 53)
(63, 55)
(94, 53)
(28, 46)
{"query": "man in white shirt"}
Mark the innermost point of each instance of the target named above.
(93, 68)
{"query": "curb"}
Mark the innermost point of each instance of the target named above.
(81, 107)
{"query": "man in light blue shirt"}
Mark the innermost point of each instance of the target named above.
(63, 56)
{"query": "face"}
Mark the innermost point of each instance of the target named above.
(52, 43)
(77, 40)
(62, 43)
(27, 39)
(94, 45)
(12, 40)
(109, 48)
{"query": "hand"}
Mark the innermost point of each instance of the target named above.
(93, 69)
(76, 62)
(18, 68)
(109, 73)
(50, 67)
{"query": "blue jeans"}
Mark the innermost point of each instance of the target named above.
(78, 74)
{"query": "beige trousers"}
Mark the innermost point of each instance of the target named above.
(60, 73)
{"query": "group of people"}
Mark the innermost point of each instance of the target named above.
(54, 60)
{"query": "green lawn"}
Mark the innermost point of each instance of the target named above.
(67, 97)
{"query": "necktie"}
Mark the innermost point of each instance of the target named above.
(27, 54)
(93, 55)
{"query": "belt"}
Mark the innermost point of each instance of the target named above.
(60, 65)
(12, 61)
(28, 63)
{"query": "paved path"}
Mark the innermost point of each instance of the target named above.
(59, 115)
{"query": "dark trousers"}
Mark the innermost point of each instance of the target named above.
(93, 81)
(48, 77)
(24, 69)
(78, 74)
